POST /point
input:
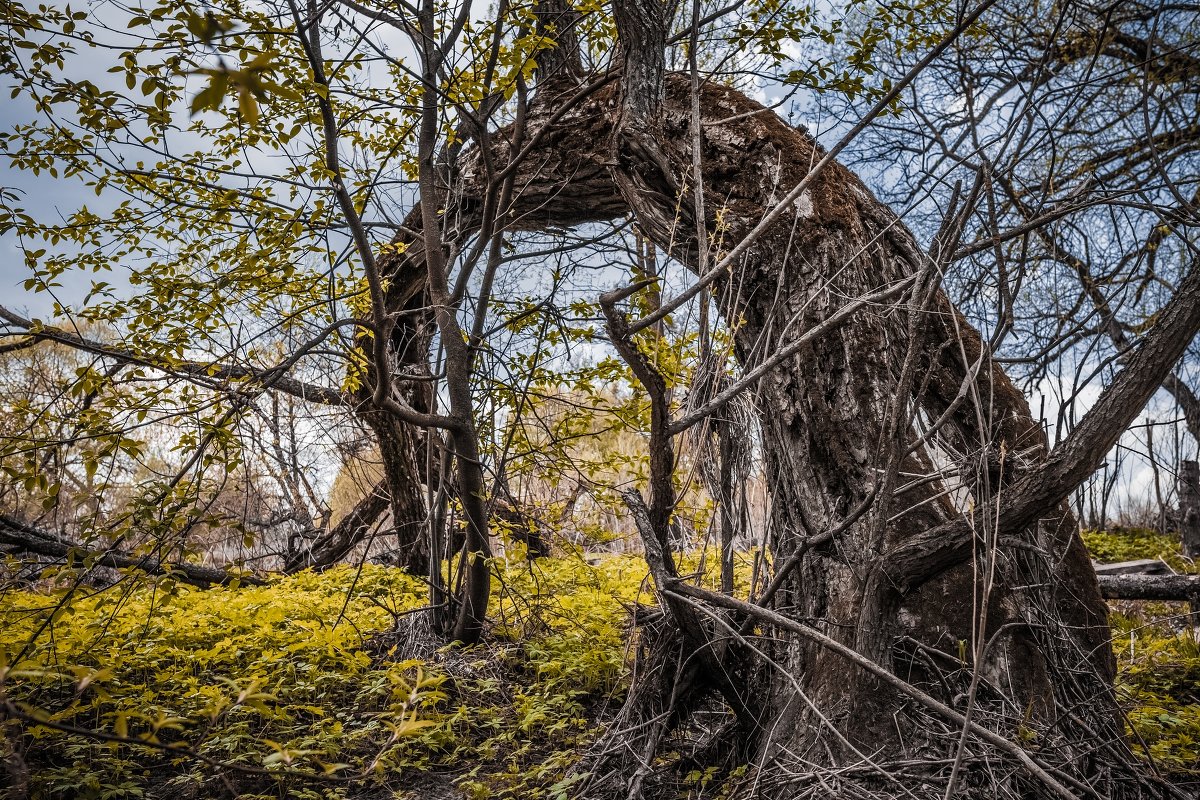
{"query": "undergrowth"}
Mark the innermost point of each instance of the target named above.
(283, 691)
(1158, 657)
(301, 689)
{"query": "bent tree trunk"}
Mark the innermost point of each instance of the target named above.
(829, 450)
(828, 445)
(844, 437)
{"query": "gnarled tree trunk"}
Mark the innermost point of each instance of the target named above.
(846, 438)
(832, 429)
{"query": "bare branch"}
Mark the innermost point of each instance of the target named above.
(15, 533)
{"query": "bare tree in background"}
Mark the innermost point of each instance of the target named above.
(1082, 121)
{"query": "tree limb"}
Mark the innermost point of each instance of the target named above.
(195, 370)
(17, 534)
(1150, 587)
(918, 559)
(333, 544)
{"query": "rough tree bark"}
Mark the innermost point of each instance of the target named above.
(826, 442)
(841, 439)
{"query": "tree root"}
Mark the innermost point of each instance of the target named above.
(667, 687)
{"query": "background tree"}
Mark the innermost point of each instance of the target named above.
(1081, 118)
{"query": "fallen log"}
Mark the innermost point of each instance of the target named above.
(18, 535)
(1143, 566)
(1151, 587)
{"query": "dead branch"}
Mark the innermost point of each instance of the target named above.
(17, 534)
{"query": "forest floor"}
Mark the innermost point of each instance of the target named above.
(325, 686)
(1158, 656)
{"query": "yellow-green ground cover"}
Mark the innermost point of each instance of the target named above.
(303, 689)
(1157, 654)
(292, 679)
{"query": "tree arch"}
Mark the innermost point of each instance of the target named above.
(869, 378)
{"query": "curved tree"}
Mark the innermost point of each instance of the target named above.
(869, 380)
